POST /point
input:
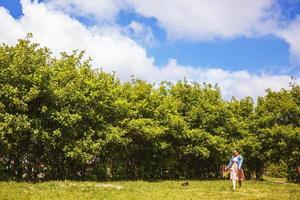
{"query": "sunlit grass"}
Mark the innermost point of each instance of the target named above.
(148, 190)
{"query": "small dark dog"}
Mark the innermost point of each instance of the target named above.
(185, 184)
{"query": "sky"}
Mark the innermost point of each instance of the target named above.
(244, 46)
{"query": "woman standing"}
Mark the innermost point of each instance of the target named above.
(236, 171)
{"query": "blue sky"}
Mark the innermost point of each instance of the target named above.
(268, 45)
(266, 53)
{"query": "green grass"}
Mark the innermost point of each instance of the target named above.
(140, 190)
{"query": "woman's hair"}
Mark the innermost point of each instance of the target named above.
(235, 151)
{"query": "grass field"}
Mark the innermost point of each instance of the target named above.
(148, 190)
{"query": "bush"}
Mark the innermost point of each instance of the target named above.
(278, 170)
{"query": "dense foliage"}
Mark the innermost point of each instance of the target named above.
(61, 119)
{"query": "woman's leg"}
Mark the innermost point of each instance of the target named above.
(241, 177)
(233, 184)
(240, 183)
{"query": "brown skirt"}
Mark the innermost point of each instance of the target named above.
(241, 175)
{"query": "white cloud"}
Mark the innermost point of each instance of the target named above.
(114, 51)
(141, 33)
(192, 19)
(198, 20)
(205, 20)
(202, 20)
(291, 33)
(238, 83)
(10, 29)
(103, 10)
(106, 45)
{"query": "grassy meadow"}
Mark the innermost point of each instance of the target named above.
(139, 190)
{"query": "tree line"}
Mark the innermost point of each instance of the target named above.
(62, 119)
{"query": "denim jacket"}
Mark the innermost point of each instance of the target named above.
(240, 160)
